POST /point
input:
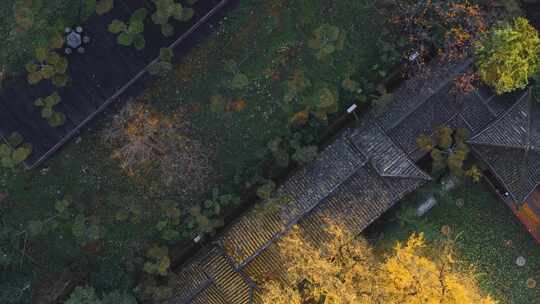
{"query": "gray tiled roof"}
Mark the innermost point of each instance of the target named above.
(430, 100)
(501, 103)
(511, 148)
(359, 176)
(358, 202)
(436, 111)
(476, 112)
(191, 278)
(385, 156)
(233, 285)
(313, 183)
(513, 167)
(242, 241)
(211, 278)
(415, 92)
(511, 130)
(304, 190)
(266, 264)
(210, 295)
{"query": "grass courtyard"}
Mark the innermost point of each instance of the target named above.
(487, 235)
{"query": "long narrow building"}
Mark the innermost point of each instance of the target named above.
(365, 172)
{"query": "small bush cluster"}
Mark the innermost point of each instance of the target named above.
(54, 118)
(87, 295)
(16, 152)
(448, 150)
(166, 9)
(164, 63)
(104, 6)
(327, 39)
(130, 33)
(48, 64)
(320, 99)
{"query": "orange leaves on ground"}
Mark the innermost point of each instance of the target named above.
(299, 118)
(237, 105)
(218, 104)
(458, 22)
(196, 107)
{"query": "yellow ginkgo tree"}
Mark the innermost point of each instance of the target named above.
(344, 270)
(509, 56)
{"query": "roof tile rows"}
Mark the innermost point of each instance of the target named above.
(512, 167)
(356, 179)
(510, 130)
(511, 148)
(414, 93)
(385, 156)
(350, 181)
(304, 190)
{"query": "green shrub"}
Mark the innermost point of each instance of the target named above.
(205, 218)
(168, 224)
(84, 230)
(239, 80)
(27, 25)
(265, 191)
(164, 63)
(448, 150)
(83, 295)
(305, 155)
(166, 9)
(158, 261)
(132, 33)
(63, 204)
(15, 153)
(510, 56)
(295, 147)
(327, 39)
(151, 290)
(320, 99)
(117, 297)
(55, 119)
(104, 6)
(87, 295)
(49, 65)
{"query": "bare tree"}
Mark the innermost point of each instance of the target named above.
(149, 142)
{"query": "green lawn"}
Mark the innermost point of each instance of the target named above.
(482, 227)
(267, 42)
